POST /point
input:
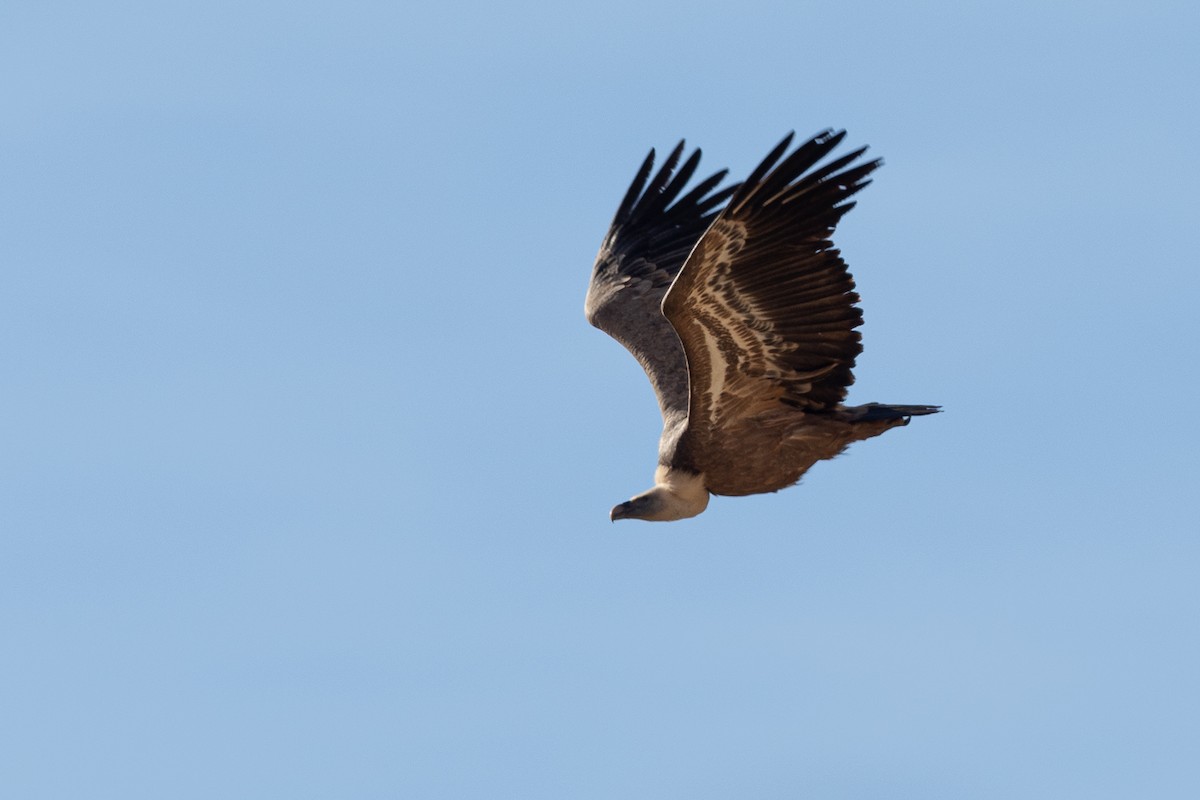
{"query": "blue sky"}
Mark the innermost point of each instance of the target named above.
(308, 450)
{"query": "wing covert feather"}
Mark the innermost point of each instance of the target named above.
(765, 306)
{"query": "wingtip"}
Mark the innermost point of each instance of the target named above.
(677, 152)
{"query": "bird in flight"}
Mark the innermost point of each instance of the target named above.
(744, 317)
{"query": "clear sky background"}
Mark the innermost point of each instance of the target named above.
(307, 452)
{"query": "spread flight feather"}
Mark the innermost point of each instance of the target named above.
(744, 317)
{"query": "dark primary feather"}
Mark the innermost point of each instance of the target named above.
(766, 292)
(650, 237)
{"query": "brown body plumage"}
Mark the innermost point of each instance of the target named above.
(775, 448)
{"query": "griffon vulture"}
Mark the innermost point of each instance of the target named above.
(744, 316)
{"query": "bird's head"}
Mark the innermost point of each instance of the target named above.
(662, 504)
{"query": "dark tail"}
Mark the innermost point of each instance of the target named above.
(878, 412)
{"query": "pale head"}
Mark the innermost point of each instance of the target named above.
(676, 495)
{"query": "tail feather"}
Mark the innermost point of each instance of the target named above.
(877, 412)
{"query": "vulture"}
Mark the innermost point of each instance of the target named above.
(744, 317)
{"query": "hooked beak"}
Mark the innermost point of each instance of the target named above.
(620, 512)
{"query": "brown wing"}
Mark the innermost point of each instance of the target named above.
(764, 305)
(646, 245)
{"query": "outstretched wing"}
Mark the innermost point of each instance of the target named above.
(647, 243)
(764, 306)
